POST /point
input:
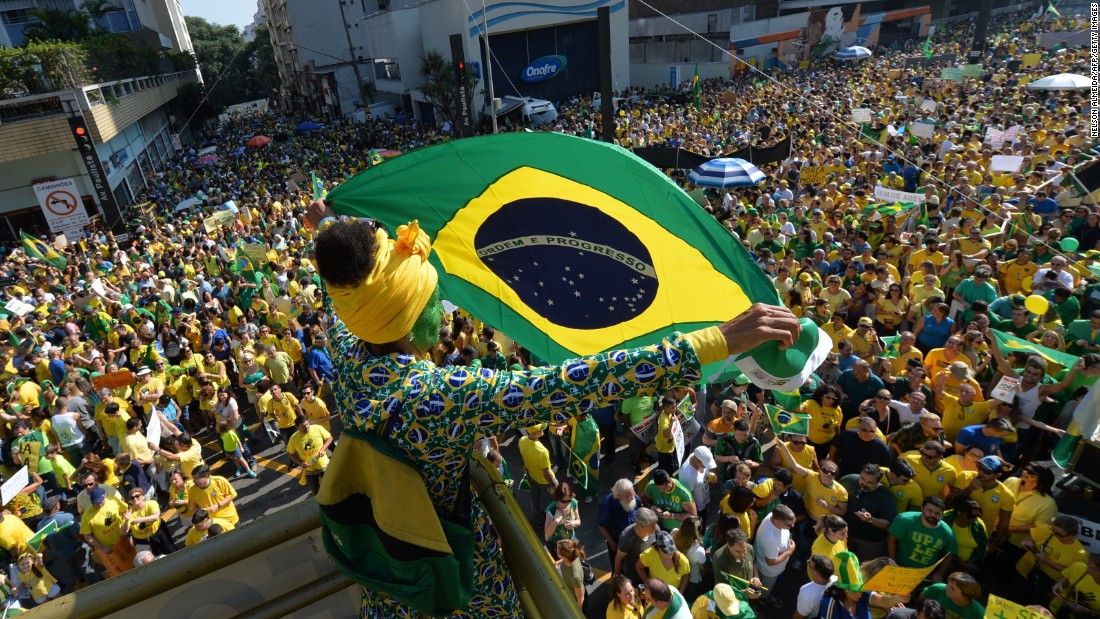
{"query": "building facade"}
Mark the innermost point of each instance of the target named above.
(131, 123)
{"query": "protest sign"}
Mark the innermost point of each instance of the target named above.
(817, 174)
(153, 432)
(898, 580)
(922, 130)
(893, 195)
(1011, 133)
(1005, 163)
(1005, 390)
(19, 308)
(113, 380)
(862, 115)
(928, 104)
(221, 219)
(1000, 608)
(256, 252)
(951, 74)
(1030, 60)
(645, 429)
(972, 70)
(12, 487)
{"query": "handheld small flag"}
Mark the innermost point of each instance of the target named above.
(1051, 9)
(697, 89)
(39, 250)
(1011, 343)
(890, 346)
(375, 157)
(317, 185)
(787, 422)
(928, 47)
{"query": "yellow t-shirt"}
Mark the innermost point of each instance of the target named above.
(834, 495)
(664, 444)
(932, 482)
(1052, 548)
(822, 546)
(536, 459)
(1031, 508)
(993, 501)
(215, 492)
(907, 496)
(308, 446)
(104, 522)
(652, 561)
(144, 530)
(965, 541)
(283, 410)
(1013, 275)
(14, 534)
(956, 416)
(195, 536)
(806, 459)
(824, 421)
(317, 412)
(138, 447)
(39, 586)
(1085, 587)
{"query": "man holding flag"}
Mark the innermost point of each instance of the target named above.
(39, 250)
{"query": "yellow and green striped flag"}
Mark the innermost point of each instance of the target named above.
(1011, 343)
(38, 249)
(786, 422)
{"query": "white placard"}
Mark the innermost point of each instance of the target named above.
(1005, 390)
(97, 287)
(885, 194)
(153, 432)
(1005, 163)
(18, 307)
(12, 487)
(678, 441)
(60, 202)
(994, 136)
(862, 115)
(957, 307)
(645, 429)
(922, 130)
(928, 104)
(1011, 133)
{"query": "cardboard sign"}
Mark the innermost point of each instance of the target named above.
(972, 70)
(1000, 608)
(1005, 390)
(1005, 163)
(221, 219)
(862, 115)
(922, 130)
(1030, 60)
(12, 487)
(19, 308)
(729, 97)
(898, 580)
(645, 429)
(928, 104)
(256, 252)
(895, 74)
(951, 74)
(113, 380)
(818, 174)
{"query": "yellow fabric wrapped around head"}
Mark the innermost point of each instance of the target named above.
(384, 305)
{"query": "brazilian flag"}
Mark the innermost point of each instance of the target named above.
(38, 249)
(570, 246)
(786, 422)
(1011, 343)
(928, 47)
(890, 346)
(886, 210)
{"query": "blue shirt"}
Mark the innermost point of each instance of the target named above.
(973, 435)
(613, 518)
(318, 361)
(57, 371)
(64, 542)
(935, 334)
(1044, 207)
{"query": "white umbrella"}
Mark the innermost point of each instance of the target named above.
(1062, 81)
(726, 172)
(854, 52)
(207, 151)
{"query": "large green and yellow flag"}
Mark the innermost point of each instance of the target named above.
(1011, 343)
(36, 248)
(570, 246)
(786, 422)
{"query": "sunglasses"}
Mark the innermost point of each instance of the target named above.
(828, 471)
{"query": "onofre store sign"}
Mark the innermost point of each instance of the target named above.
(543, 69)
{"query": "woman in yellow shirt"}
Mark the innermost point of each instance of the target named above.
(663, 562)
(146, 526)
(1034, 501)
(832, 539)
(823, 407)
(624, 600)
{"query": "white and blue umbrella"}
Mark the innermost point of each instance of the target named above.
(726, 172)
(855, 52)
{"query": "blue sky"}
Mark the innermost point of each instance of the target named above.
(236, 12)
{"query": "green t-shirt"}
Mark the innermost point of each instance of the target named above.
(918, 545)
(638, 408)
(32, 450)
(1010, 327)
(230, 442)
(938, 592)
(672, 501)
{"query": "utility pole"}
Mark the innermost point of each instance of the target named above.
(488, 65)
(354, 59)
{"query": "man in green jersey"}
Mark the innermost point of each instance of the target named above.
(919, 539)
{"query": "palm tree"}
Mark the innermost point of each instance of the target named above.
(58, 25)
(439, 88)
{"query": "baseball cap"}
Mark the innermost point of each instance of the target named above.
(726, 600)
(990, 463)
(702, 453)
(665, 543)
(739, 379)
(866, 322)
(97, 495)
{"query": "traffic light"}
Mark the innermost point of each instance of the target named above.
(83, 140)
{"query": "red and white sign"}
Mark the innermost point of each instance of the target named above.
(61, 205)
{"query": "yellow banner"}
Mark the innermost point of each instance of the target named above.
(898, 580)
(1000, 608)
(1030, 60)
(817, 174)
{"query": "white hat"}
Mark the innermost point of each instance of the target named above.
(703, 455)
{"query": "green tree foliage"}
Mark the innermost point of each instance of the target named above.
(439, 88)
(234, 71)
